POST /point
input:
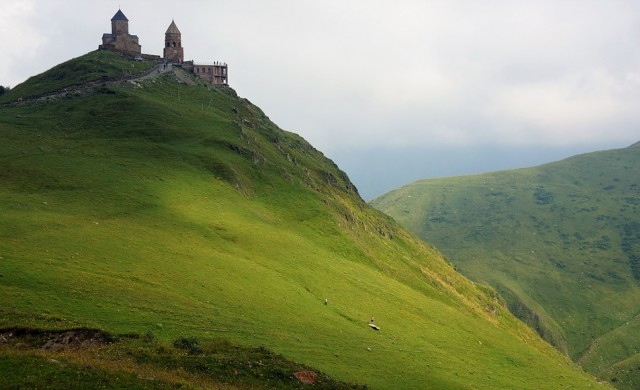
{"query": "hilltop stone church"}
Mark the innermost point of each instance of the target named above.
(121, 41)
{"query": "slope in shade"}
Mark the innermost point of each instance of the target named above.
(559, 242)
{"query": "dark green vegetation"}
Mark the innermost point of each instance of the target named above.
(183, 211)
(560, 242)
(85, 358)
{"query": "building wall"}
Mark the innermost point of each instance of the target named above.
(215, 74)
(119, 27)
(128, 43)
(123, 43)
(120, 39)
(173, 50)
(173, 54)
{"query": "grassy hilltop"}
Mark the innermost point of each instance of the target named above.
(561, 243)
(174, 216)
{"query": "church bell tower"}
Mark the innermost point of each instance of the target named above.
(173, 51)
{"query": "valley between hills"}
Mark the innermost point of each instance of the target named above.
(165, 233)
(560, 242)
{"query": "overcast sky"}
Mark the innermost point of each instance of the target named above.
(392, 91)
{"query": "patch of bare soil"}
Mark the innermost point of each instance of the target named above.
(308, 377)
(82, 338)
(55, 340)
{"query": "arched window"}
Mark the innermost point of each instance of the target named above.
(168, 45)
(179, 44)
(174, 44)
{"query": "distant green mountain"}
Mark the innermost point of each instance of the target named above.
(170, 214)
(560, 242)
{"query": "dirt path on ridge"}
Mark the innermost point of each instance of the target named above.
(86, 88)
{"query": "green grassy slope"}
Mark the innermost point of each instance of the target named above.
(183, 211)
(94, 67)
(560, 242)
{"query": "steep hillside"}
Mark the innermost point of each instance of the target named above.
(170, 208)
(561, 243)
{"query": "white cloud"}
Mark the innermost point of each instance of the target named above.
(22, 39)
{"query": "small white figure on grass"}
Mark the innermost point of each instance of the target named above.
(373, 325)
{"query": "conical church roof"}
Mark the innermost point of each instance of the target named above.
(119, 16)
(173, 29)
